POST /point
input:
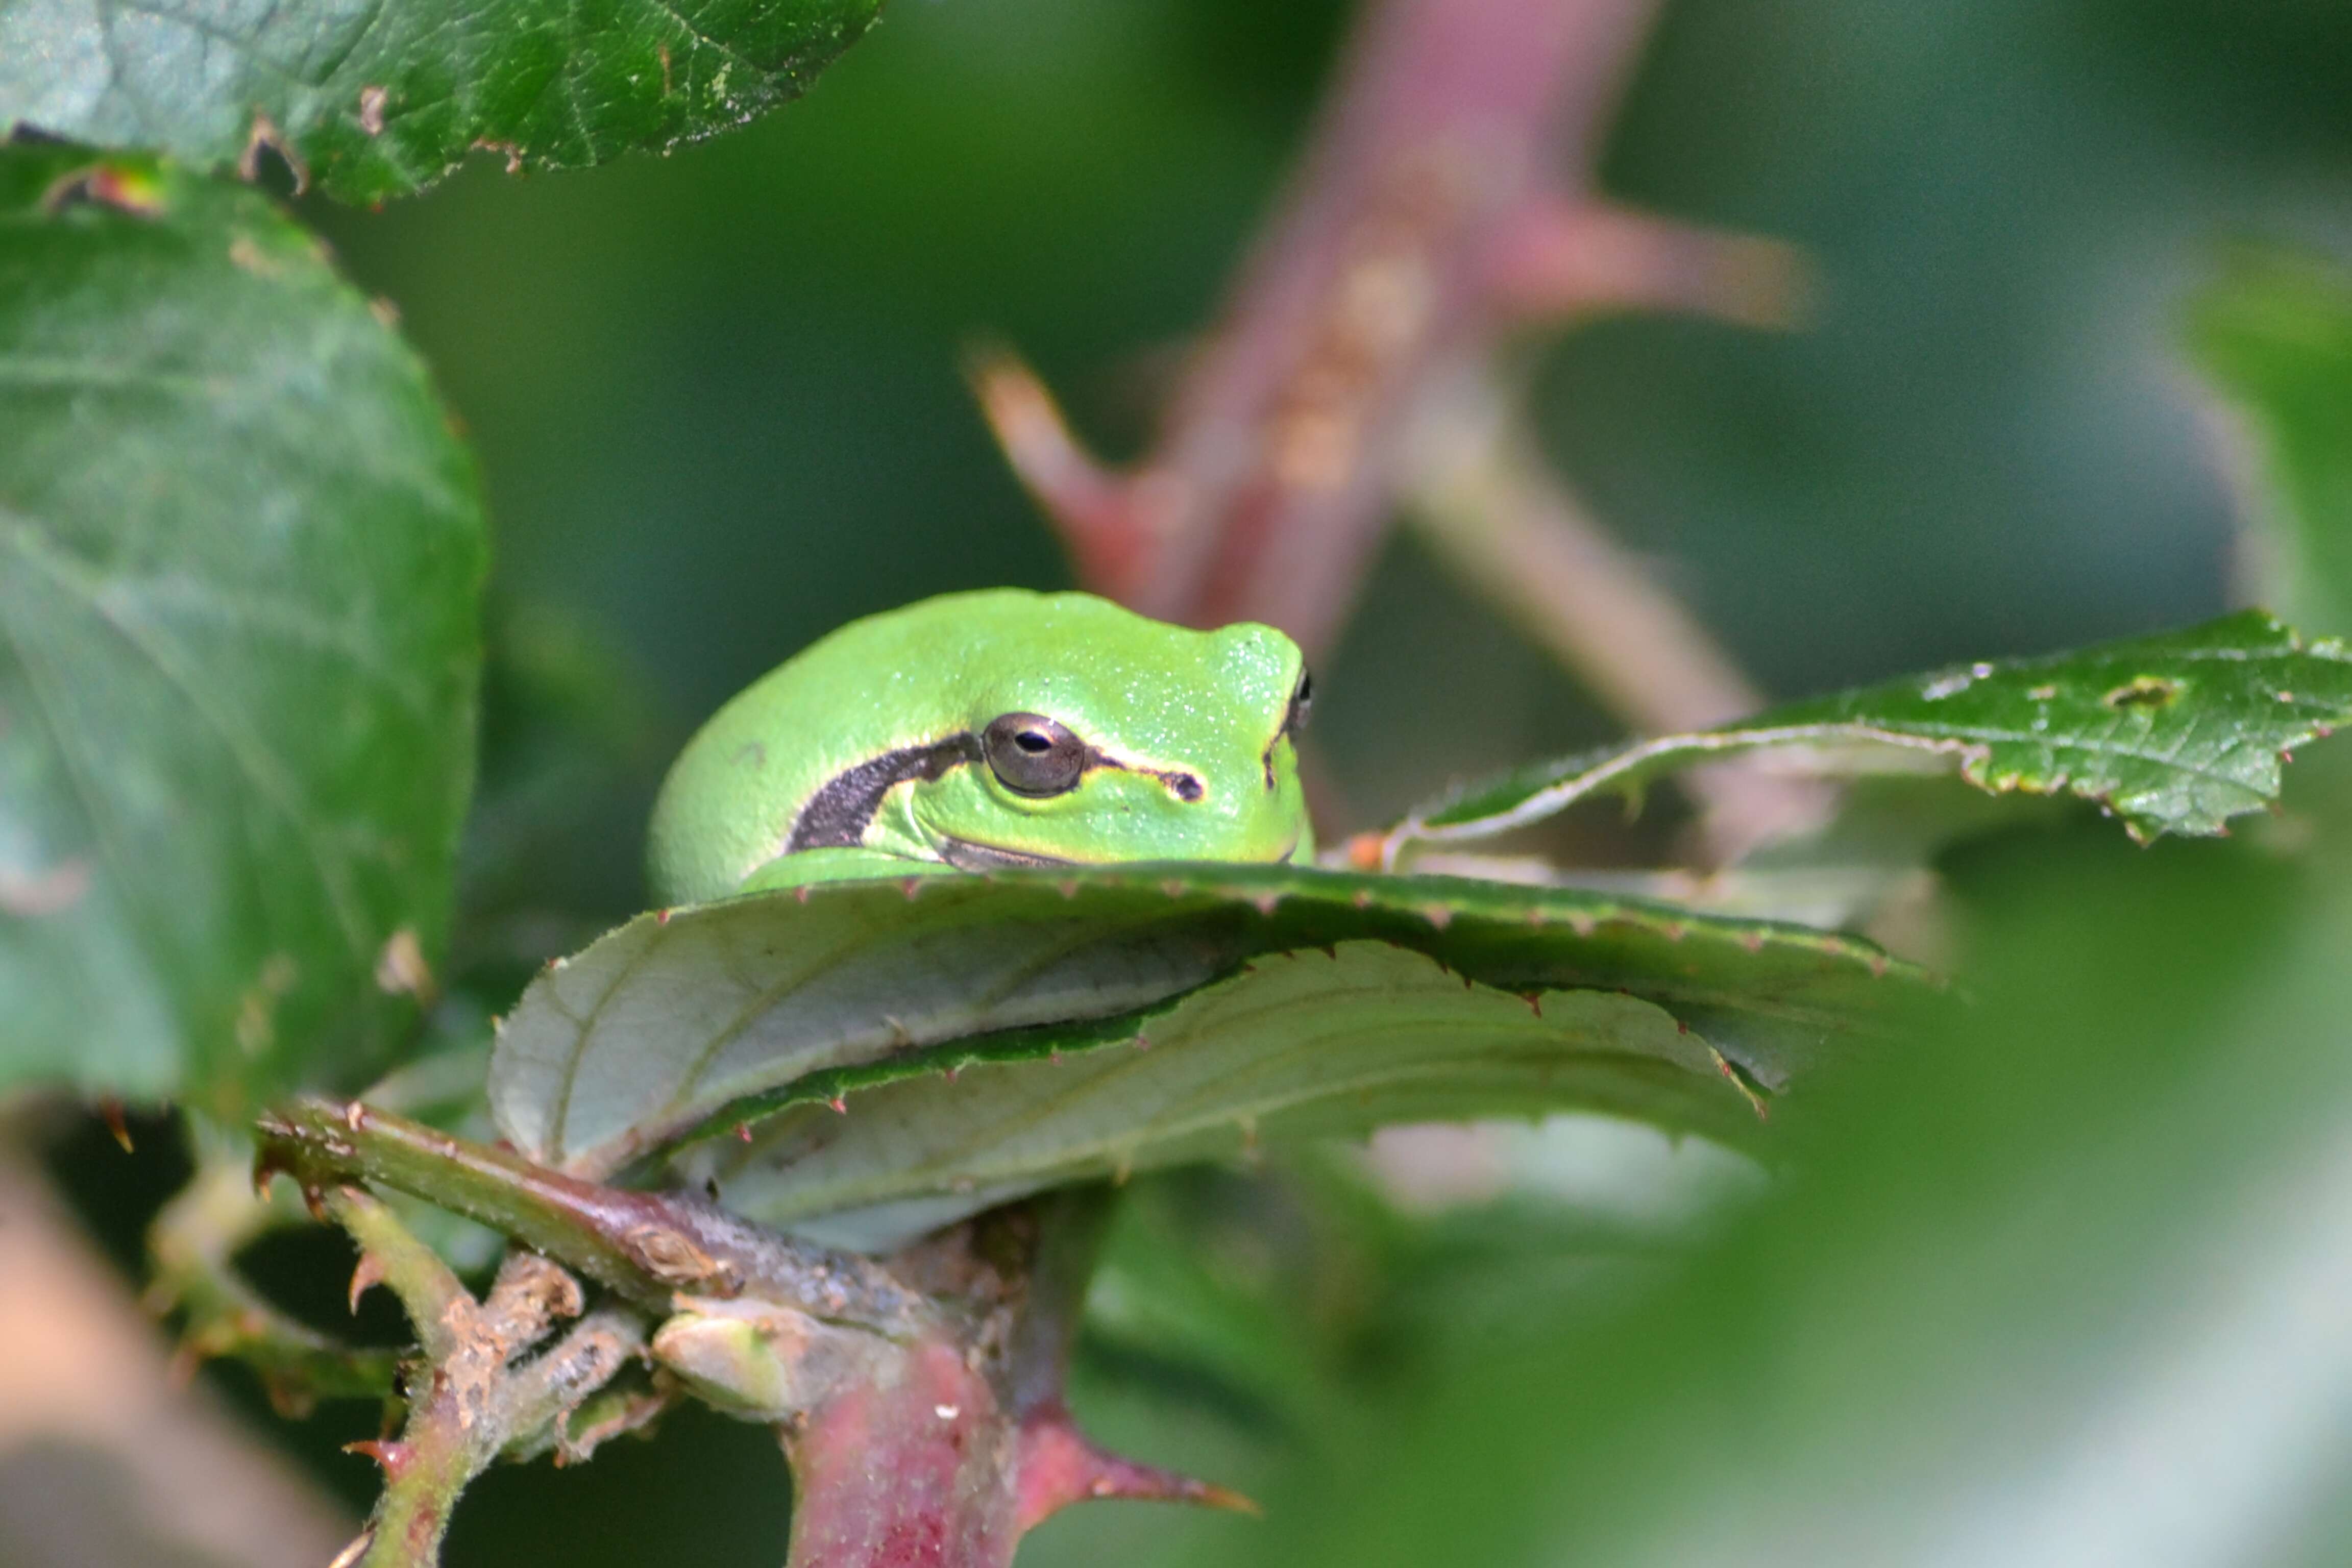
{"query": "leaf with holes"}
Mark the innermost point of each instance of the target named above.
(373, 98)
(1315, 1043)
(727, 1012)
(240, 556)
(2173, 733)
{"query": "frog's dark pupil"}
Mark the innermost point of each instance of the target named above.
(1033, 755)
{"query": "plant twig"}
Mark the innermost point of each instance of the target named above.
(1488, 504)
(644, 1247)
(959, 1443)
(192, 1246)
(475, 1395)
(919, 1397)
(1446, 200)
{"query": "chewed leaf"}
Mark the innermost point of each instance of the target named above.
(241, 556)
(374, 99)
(2173, 733)
(747, 1004)
(1312, 1044)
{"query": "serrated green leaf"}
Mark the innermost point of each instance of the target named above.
(678, 1017)
(2275, 333)
(240, 556)
(374, 99)
(2173, 733)
(1310, 1043)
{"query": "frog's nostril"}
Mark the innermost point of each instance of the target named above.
(1186, 786)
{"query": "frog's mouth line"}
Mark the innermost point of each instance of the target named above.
(967, 856)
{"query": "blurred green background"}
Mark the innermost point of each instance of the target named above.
(718, 401)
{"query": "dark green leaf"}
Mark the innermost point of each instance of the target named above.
(1300, 1045)
(678, 1017)
(378, 98)
(240, 555)
(2173, 733)
(2276, 335)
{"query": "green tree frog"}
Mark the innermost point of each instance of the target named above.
(992, 728)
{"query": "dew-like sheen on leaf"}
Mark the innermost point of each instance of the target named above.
(374, 99)
(2173, 733)
(734, 1008)
(240, 560)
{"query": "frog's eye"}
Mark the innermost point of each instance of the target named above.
(1031, 754)
(1301, 700)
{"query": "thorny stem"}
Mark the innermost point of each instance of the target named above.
(474, 1395)
(925, 1419)
(959, 1443)
(193, 1244)
(644, 1247)
(1447, 201)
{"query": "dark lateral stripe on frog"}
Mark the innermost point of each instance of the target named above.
(837, 816)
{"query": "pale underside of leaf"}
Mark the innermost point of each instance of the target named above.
(680, 1017)
(1314, 1044)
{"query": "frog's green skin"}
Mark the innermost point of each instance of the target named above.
(871, 752)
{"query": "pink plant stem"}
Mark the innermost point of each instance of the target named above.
(1454, 122)
(912, 1470)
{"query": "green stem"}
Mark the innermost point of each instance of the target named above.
(477, 1395)
(193, 1244)
(645, 1247)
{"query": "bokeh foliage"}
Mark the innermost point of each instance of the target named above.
(240, 530)
(716, 402)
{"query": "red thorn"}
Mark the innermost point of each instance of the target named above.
(315, 1200)
(1568, 256)
(354, 1116)
(1060, 1467)
(840, 1105)
(112, 1110)
(392, 1456)
(743, 1132)
(368, 1275)
(1103, 516)
(661, 917)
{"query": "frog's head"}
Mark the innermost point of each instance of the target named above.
(1093, 734)
(1001, 728)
